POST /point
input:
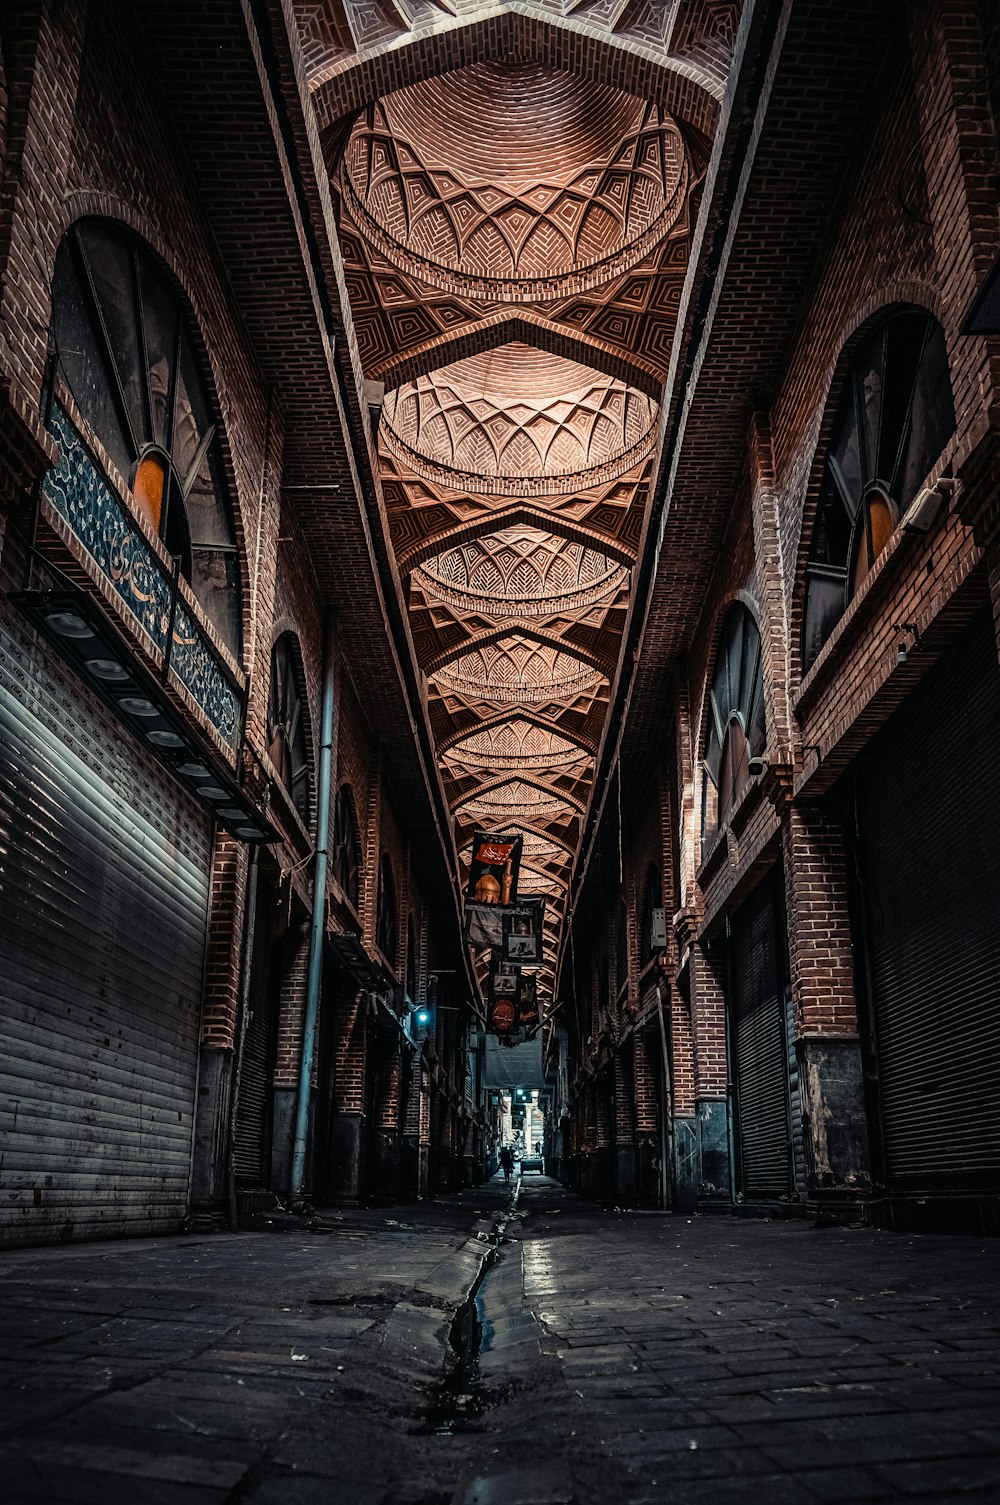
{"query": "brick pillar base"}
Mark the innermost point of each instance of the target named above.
(835, 1129)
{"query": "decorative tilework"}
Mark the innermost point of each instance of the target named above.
(80, 494)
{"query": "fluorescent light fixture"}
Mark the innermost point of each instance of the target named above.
(107, 669)
(68, 624)
(137, 705)
(78, 626)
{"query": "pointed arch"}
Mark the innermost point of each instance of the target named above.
(573, 804)
(503, 718)
(347, 85)
(515, 629)
(518, 515)
(524, 327)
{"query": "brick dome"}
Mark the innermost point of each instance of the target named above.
(553, 184)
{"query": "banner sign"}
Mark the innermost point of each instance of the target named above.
(527, 1003)
(503, 995)
(496, 861)
(484, 926)
(522, 932)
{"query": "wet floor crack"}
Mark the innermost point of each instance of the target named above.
(459, 1401)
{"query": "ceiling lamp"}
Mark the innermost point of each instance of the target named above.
(85, 637)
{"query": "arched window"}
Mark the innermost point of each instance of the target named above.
(621, 946)
(346, 867)
(125, 348)
(652, 899)
(386, 923)
(286, 722)
(896, 413)
(736, 725)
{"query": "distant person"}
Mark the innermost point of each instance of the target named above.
(506, 1163)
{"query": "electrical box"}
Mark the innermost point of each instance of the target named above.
(658, 930)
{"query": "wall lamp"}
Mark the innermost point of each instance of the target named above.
(88, 641)
(922, 512)
(907, 629)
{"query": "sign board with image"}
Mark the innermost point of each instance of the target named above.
(522, 932)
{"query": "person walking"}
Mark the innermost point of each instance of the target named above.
(506, 1163)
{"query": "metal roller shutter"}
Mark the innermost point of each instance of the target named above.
(104, 888)
(757, 1028)
(928, 824)
(250, 1148)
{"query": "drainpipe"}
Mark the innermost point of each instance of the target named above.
(318, 924)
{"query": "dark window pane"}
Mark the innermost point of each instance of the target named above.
(824, 607)
(734, 655)
(870, 372)
(750, 659)
(192, 415)
(160, 315)
(832, 538)
(207, 513)
(933, 419)
(905, 336)
(111, 270)
(80, 362)
(846, 452)
(214, 582)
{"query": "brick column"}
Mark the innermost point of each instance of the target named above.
(648, 1118)
(625, 1169)
(294, 970)
(827, 1048)
(45, 46)
(383, 1176)
(344, 1174)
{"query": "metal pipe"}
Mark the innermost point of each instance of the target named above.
(318, 923)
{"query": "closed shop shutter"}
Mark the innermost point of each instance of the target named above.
(104, 887)
(257, 1064)
(928, 824)
(757, 1027)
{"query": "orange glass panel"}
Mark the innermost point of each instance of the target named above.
(881, 522)
(148, 488)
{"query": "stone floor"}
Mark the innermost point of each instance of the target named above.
(625, 1357)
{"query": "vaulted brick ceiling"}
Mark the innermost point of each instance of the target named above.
(515, 235)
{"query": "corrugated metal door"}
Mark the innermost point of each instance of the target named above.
(104, 888)
(928, 827)
(253, 1107)
(757, 1027)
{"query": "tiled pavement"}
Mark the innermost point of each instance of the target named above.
(627, 1357)
(730, 1360)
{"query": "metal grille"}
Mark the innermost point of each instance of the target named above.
(103, 907)
(759, 1046)
(257, 1064)
(928, 822)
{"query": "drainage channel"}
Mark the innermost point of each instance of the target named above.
(458, 1402)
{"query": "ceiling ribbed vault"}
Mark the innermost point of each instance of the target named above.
(514, 237)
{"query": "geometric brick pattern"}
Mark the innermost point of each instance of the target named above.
(570, 183)
(515, 237)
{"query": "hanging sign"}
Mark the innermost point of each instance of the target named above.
(503, 992)
(527, 1003)
(496, 861)
(484, 926)
(522, 932)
